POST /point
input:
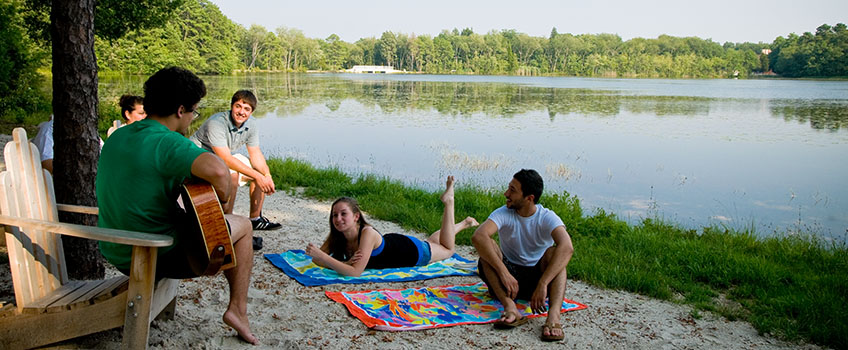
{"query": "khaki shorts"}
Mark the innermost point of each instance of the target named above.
(243, 179)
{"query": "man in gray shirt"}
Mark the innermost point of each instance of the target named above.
(228, 131)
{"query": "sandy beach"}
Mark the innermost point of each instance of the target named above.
(287, 315)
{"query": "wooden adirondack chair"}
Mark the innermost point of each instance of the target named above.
(50, 308)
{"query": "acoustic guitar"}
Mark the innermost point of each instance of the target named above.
(211, 248)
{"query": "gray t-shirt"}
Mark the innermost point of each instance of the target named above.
(219, 131)
(524, 240)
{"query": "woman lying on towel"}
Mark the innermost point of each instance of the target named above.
(353, 245)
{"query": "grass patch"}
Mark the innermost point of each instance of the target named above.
(795, 287)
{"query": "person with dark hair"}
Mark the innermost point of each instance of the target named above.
(530, 263)
(132, 108)
(353, 245)
(155, 153)
(226, 132)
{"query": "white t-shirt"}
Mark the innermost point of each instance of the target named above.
(44, 140)
(524, 240)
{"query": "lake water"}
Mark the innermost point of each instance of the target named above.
(768, 154)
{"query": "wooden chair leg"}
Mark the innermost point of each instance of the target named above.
(168, 312)
(139, 298)
(165, 299)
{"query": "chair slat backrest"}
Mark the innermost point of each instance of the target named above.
(36, 257)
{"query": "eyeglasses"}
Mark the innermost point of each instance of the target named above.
(195, 114)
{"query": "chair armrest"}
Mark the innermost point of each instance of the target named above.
(140, 239)
(81, 209)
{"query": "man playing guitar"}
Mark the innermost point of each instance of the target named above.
(155, 157)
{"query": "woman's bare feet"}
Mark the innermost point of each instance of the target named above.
(241, 325)
(447, 196)
(470, 222)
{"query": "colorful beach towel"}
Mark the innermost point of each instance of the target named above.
(296, 264)
(430, 307)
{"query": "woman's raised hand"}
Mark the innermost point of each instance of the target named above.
(312, 250)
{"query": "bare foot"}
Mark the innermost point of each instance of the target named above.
(447, 196)
(241, 325)
(470, 222)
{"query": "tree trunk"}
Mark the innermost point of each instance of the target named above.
(77, 144)
(254, 51)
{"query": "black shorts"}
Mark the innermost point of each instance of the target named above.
(527, 276)
(174, 263)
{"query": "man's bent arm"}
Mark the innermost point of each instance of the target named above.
(487, 247)
(232, 163)
(562, 255)
(257, 161)
(485, 244)
(211, 168)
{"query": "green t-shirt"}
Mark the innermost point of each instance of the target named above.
(138, 179)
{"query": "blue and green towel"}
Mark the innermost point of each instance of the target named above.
(296, 264)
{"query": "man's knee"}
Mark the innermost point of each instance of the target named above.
(240, 227)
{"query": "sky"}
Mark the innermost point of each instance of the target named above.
(720, 20)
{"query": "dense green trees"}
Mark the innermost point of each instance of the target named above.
(203, 39)
(506, 52)
(199, 37)
(823, 54)
(19, 93)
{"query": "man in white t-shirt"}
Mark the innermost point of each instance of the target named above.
(530, 263)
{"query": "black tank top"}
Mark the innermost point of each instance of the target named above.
(398, 251)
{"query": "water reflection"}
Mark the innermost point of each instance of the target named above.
(820, 114)
(291, 94)
(467, 98)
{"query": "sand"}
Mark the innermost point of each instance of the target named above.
(287, 315)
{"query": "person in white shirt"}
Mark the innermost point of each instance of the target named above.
(530, 263)
(43, 140)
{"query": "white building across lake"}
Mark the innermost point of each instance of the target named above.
(374, 69)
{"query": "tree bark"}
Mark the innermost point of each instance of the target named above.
(77, 144)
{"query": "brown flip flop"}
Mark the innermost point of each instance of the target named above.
(519, 320)
(550, 337)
